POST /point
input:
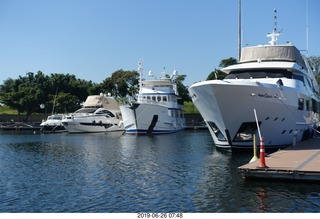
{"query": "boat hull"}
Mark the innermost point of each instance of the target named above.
(228, 108)
(93, 124)
(52, 128)
(145, 119)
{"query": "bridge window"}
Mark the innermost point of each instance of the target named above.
(164, 98)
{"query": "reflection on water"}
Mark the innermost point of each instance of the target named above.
(115, 172)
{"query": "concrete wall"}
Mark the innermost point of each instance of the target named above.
(15, 118)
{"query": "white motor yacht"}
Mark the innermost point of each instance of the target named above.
(157, 110)
(271, 93)
(100, 113)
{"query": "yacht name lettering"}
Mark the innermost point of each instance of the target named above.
(265, 95)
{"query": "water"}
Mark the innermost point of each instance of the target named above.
(108, 173)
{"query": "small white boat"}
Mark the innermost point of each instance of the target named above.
(157, 109)
(100, 113)
(53, 124)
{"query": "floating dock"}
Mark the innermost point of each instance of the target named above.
(300, 162)
(19, 126)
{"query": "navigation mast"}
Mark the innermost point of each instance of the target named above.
(274, 35)
(140, 70)
(239, 30)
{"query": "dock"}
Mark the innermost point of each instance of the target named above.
(300, 162)
(19, 126)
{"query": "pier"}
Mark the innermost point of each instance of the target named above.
(19, 126)
(300, 162)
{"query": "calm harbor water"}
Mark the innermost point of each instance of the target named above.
(109, 173)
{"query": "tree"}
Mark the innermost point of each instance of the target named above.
(58, 93)
(121, 83)
(24, 93)
(65, 102)
(64, 86)
(227, 62)
(314, 62)
(182, 90)
(218, 74)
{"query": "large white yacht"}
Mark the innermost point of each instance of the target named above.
(271, 93)
(100, 113)
(157, 109)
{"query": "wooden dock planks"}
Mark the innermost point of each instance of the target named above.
(301, 162)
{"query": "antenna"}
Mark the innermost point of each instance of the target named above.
(163, 73)
(140, 70)
(275, 20)
(307, 27)
(274, 35)
(239, 30)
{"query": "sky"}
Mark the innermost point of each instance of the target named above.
(91, 39)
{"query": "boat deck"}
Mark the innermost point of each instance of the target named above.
(300, 162)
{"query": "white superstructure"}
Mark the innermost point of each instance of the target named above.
(157, 109)
(100, 113)
(273, 80)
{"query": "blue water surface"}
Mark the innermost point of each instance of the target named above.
(116, 172)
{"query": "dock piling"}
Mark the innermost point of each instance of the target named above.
(255, 157)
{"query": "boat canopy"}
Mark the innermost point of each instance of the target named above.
(272, 53)
(101, 101)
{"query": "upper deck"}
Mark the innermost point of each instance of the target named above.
(284, 53)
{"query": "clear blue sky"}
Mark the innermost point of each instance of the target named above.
(91, 39)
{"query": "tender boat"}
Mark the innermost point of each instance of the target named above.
(53, 124)
(157, 109)
(100, 113)
(271, 93)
